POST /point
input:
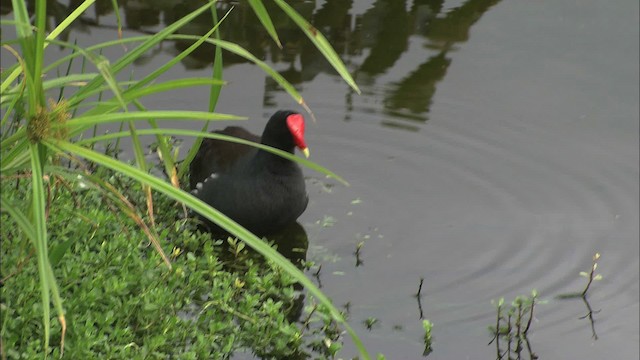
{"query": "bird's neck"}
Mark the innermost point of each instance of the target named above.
(273, 161)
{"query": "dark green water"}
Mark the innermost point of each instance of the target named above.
(494, 149)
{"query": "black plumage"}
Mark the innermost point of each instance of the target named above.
(260, 190)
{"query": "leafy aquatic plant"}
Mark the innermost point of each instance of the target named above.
(510, 333)
(591, 277)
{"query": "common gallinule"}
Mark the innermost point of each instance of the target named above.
(261, 191)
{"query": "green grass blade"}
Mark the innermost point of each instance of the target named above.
(140, 50)
(165, 155)
(67, 73)
(57, 303)
(8, 112)
(214, 95)
(24, 18)
(70, 19)
(22, 23)
(170, 85)
(26, 62)
(20, 218)
(40, 231)
(14, 101)
(16, 157)
(217, 61)
(320, 42)
(265, 19)
(107, 74)
(181, 132)
(84, 121)
(73, 79)
(28, 229)
(240, 51)
(95, 48)
(103, 66)
(218, 218)
(41, 21)
(108, 106)
(116, 10)
(138, 151)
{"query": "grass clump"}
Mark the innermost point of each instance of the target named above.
(123, 303)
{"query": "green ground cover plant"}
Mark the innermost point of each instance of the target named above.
(123, 303)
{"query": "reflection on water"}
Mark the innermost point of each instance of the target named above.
(420, 33)
(293, 243)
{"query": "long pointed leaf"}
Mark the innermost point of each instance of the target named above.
(54, 33)
(320, 42)
(20, 218)
(170, 85)
(160, 114)
(214, 95)
(182, 132)
(40, 230)
(265, 19)
(23, 24)
(141, 49)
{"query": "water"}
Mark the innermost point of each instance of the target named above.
(494, 150)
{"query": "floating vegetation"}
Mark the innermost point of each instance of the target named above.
(327, 221)
(370, 322)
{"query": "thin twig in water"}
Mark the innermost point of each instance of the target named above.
(317, 276)
(308, 318)
(419, 293)
(533, 302)
(359, 261)
(592, 275)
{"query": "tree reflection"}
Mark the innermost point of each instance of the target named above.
(390, 37)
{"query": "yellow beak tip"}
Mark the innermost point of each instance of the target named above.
(305, 151)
